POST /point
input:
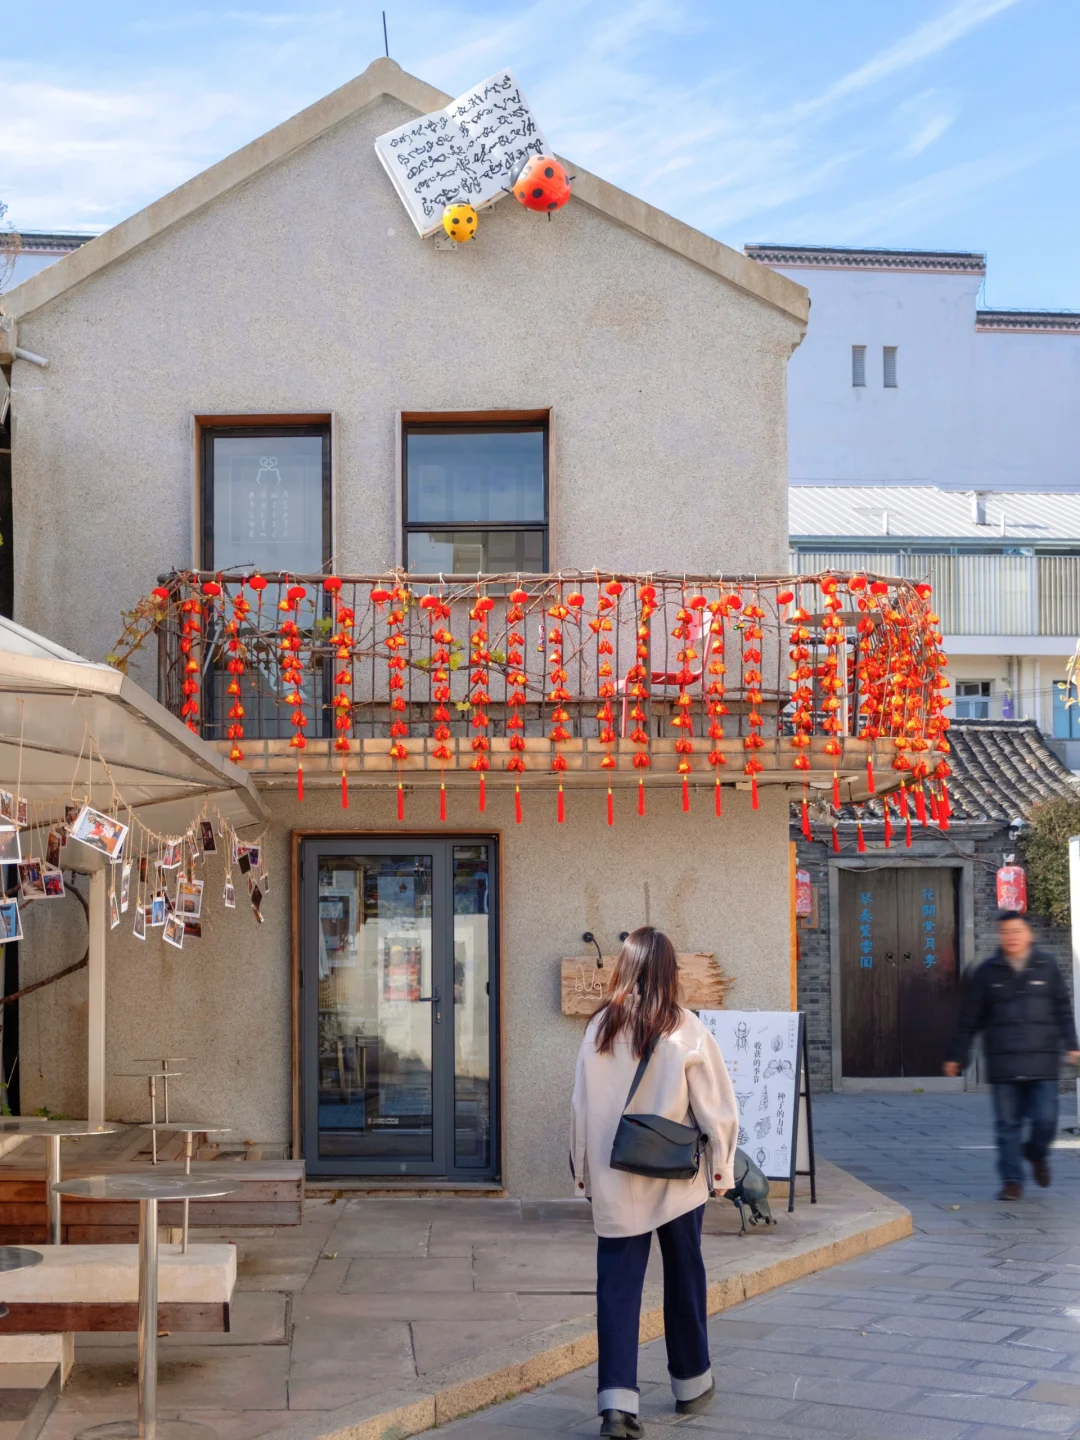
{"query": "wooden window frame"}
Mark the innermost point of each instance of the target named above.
(477, 422)
(211, 427)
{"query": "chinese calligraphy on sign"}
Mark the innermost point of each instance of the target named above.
(928, 915)
(866, 925)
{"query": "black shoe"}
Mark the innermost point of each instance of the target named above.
(1012, 1191)
(1041, 1171)
(620, 1425)
(699, 1403)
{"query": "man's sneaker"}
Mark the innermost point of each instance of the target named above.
(700, 1402)
(1012, 1191)
(1041, 1171)
(620, 1425)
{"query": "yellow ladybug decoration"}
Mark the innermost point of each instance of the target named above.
(459, 222)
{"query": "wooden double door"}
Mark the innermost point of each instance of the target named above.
(899, 970)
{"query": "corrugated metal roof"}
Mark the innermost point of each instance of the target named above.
(924, 512)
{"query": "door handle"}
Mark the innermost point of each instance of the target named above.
(433, 999)
(907, 954)
(889, 955)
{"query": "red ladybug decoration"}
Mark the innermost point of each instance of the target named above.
(541, 183)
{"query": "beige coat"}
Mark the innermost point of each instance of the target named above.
(686, 1070)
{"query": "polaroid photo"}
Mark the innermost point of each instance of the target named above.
(10, 921)
(139, 927)
(114, 911)
(53, 881)
(256, 897)
(189, 895)
(125, 887)
(7, 806)
(209, 841)
(264, 883)
(157, 911)
(254, 854)
(31, 886)
(71, 814)
(10, 845)
(22, 813)
(193, 929)
(99, 832)
(243, 860)
(230, 896)
(53, 847)
(173, 934)
(172, 856)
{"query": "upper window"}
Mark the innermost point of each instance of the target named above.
(266, 498)
(973, 700)
(858, 364)
(888, 366)
(476, 498)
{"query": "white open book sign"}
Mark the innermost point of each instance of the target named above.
(466, 152)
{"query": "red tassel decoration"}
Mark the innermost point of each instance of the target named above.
(685, 794)
(610, 808)
(945, 800)
(836, 789)
(719, 806)
(933, 807)
(907, 833)
(344, 789)
(562, 806)
(870, 773)
(860, 841)
(920, 805)
(640, 796)
(807, 834)
(517, 804)
(943, 812)
(400, 802)
(888, 828)
(836, 840)
(300, 782)
(903, 802)
(753, 792)
(442, 802)
(483, 796)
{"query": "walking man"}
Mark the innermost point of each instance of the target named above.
(1018, 1000)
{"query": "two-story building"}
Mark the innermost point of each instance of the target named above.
(596, 400)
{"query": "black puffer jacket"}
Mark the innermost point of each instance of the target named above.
(1025, 1016)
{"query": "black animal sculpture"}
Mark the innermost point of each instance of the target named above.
(751, 1190)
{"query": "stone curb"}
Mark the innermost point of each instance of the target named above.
(553, 1352)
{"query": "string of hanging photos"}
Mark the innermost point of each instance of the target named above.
(745, 680)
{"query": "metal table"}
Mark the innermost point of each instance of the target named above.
(54, 1131)
(187, 1128)
(166, 1074)
(14, 1257)
(147, 1190)
(153, 1077)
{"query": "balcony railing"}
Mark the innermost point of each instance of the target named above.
(979, 594)
(523, 677)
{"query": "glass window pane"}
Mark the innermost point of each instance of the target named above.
(268, 502)
(465, 478)
(472, 1046)
(375, 1012)
(469, 552)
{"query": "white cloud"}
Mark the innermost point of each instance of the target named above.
(927, 134)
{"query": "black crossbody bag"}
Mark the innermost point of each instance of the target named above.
(654, 1146)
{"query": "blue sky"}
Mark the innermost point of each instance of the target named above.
(925, 123)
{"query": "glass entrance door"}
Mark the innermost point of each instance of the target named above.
(398, 1007)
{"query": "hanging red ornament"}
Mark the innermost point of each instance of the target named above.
(610, 808)
(836, 840)
(807, 833)
(870, 772)
(888, 827)
(860, 839)
(718, 803)
(640, 795)
(685, 795)
(442, 801)
(561, 806)
(400, 801)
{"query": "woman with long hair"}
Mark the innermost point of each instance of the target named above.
(685, 1080)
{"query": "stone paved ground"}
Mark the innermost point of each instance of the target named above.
(968, 1331)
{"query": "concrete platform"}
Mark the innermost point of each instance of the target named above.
(384, 1317)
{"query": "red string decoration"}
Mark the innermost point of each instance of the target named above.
(479, 699)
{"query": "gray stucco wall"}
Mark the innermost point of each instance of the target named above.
(224, 1001)
(307, 290)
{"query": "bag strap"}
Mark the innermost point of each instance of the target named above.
(642, 1063)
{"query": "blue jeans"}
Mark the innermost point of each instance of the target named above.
(620, 1275)
(1016, 1101)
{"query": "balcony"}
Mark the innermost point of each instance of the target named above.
(545, 680)
(980, 594)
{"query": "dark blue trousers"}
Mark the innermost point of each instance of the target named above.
(620, 1276)
(1017, 1101)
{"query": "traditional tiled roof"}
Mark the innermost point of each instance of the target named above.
(840, 257)
(52, 242)
(1001, 770)
(1028, 322)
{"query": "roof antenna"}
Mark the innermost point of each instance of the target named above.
(385, 41)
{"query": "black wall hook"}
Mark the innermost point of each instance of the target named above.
(590, 939)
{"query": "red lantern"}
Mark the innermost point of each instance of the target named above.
(1012, 888)
(542, 184)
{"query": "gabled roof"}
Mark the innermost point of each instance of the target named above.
(842, 257)
(385, 77)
